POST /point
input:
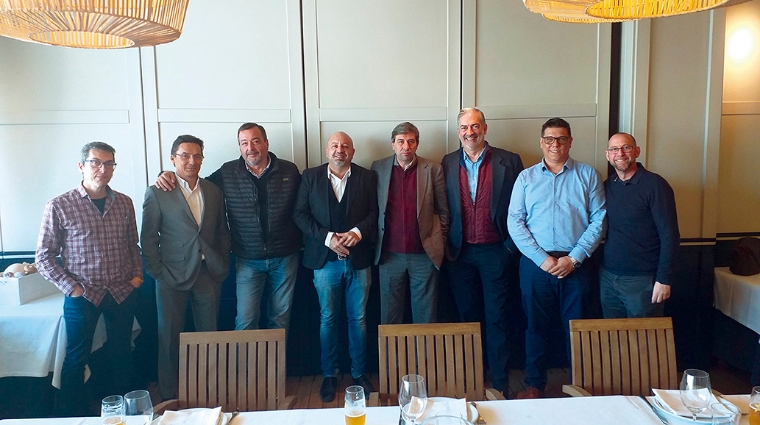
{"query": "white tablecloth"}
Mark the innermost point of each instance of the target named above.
(33, 338)
(738, 297)
(617, 410)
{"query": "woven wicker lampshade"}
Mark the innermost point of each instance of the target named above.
(573, 11)
(637, 9)
(96, 24)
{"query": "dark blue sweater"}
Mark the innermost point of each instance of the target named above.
(642, 235)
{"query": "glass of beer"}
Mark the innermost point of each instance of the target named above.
(754, 406)
(112, 410)
(356, 405)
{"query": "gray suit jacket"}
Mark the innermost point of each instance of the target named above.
(432, 209)
(172, 242)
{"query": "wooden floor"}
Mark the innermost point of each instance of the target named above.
(306, 388)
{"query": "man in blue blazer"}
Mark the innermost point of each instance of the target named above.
(479, 180)
(336, 209)
(186, 244)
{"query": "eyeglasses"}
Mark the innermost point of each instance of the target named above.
(187, 156)
(549, 140)
(624, 148)
(96, 163)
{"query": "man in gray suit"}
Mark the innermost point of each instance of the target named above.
(412, 228)
(186, 243)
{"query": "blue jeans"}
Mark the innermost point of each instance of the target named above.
(627, 296)
(479, 281)
(81, 316)
(542, 293)
(276, 279)
(332, 281)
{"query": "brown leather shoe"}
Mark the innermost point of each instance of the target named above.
(530, 392)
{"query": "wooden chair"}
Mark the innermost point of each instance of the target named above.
(238, 370)
(622, 356)
(448, 355)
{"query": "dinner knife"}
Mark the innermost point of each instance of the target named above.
(653, 410)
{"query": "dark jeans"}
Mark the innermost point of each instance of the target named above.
(542, 295)
(478, 279)
(81, 317)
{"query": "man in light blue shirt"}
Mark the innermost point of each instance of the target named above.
(556, 219)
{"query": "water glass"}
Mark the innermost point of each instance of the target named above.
(112, 410)
(137, 403)
(696, 392)
(725, 413)
(355, 406)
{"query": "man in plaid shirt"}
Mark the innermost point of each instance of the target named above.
(93, 229)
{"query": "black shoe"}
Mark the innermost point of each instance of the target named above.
(328, 389)
(364, 382)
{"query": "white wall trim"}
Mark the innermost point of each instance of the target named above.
(741, 108)
(713, 107)
(634, 81)
(508, 112)
(175, 115)
(64, 117)
(382, 114)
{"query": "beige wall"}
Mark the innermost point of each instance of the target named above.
(305, 69)
(739, 176)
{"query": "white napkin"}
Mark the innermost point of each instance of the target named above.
(740, 401)
(192, 417)
(444, 406)
(671, 399)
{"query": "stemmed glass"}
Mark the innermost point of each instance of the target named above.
(412, 396)
(696, 393)
(137, 403)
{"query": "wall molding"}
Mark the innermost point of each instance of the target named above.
(176, 115)
(513, 112)
(64, 117)
(741, 108)
(382, 114)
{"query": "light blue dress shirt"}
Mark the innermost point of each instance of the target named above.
(472, 169)
(563, 212)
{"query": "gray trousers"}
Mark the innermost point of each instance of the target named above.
(172, 305)
(396, 272)
(627, 296)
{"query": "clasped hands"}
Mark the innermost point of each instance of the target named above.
(560, 267)
(341, 242)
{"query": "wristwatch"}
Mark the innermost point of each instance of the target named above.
(575, 262)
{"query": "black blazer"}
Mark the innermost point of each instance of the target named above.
(312, 214)
(505, 166)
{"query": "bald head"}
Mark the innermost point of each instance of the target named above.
(340, 151)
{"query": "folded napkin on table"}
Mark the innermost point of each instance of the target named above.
(444, 406)
(740, 401)
(671, 400)
(193, 417)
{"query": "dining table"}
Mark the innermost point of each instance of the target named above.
(619, 410)
(33, 338)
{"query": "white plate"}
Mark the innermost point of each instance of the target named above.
(672, 418)
(472, 412)
(224, 421)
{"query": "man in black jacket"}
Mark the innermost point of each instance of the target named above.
(337, 211)
(260, 192)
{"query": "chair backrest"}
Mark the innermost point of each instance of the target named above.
(623, 356)
(238, 370)
(448, 355)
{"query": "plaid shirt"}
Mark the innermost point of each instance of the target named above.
(99, 251)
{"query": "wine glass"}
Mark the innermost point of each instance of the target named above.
(137, 403)
(412, 396)
(696, 393)
(355, 407)
(112, 410)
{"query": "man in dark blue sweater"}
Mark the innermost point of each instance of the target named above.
(642, 236)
